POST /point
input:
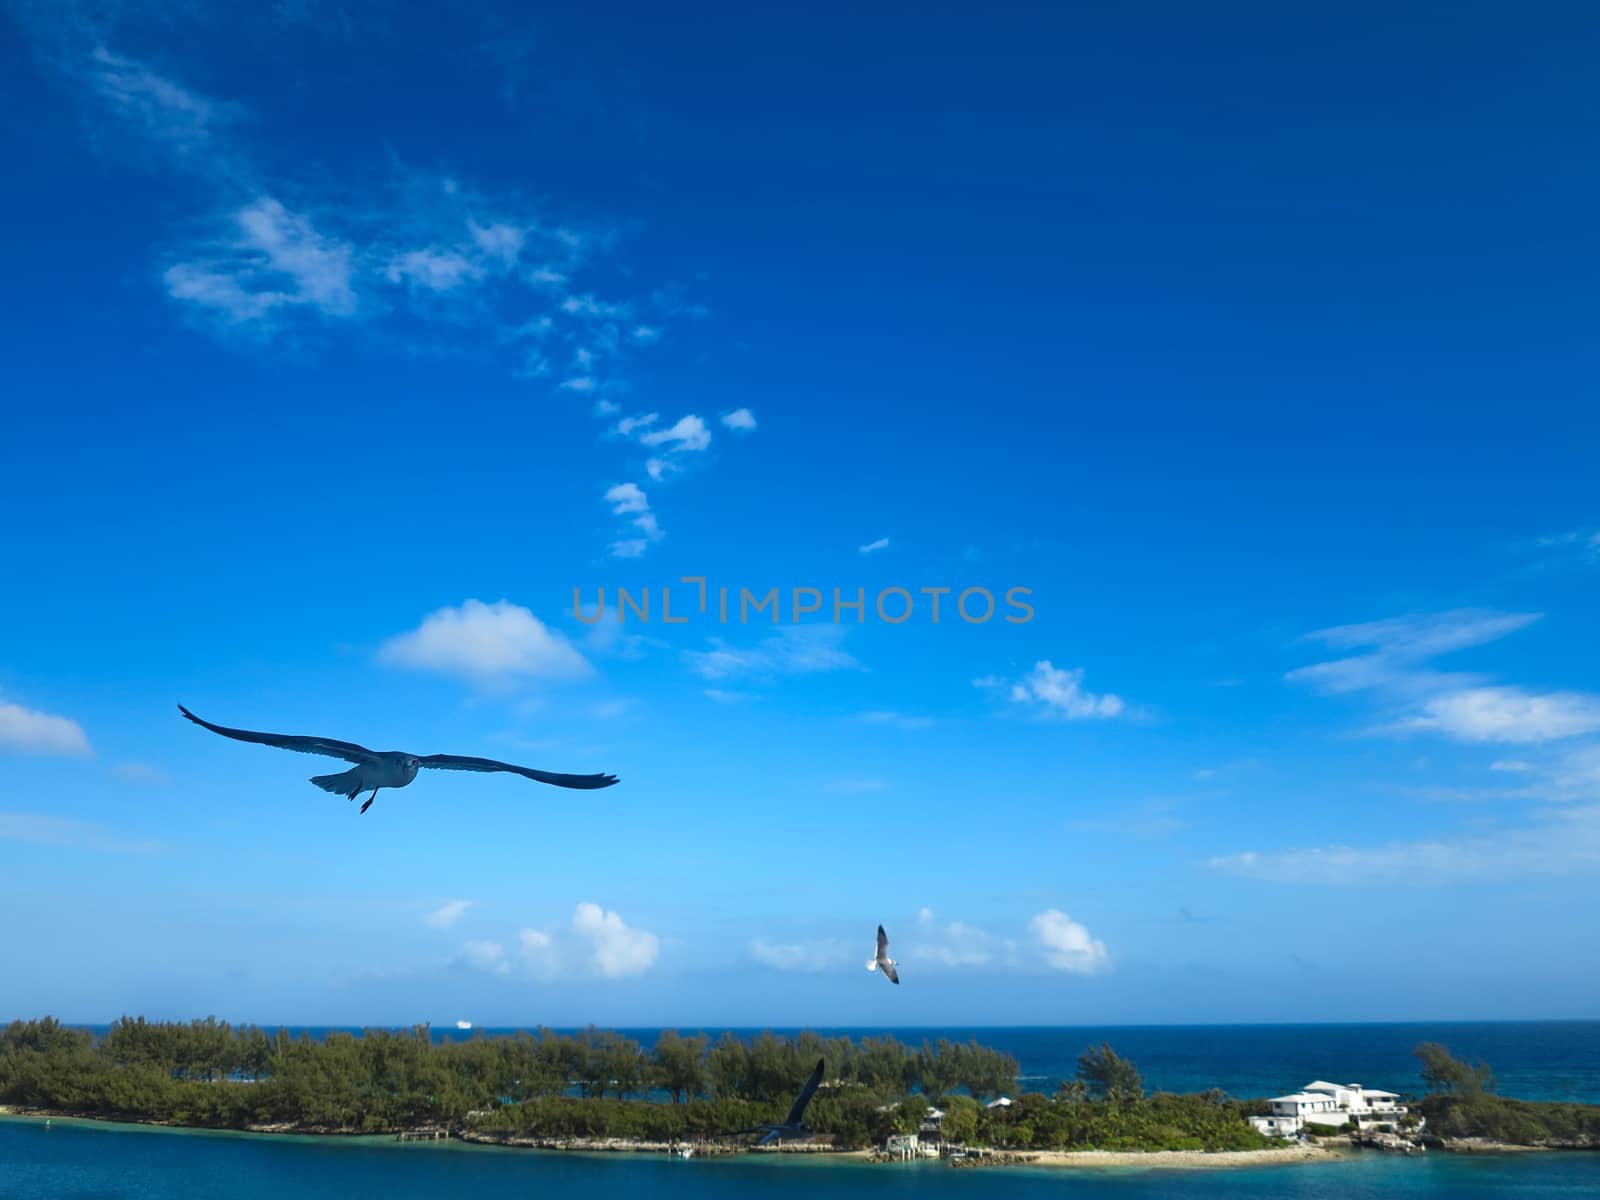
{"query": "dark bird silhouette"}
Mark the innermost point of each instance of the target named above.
(388, 768)
(793, 1125)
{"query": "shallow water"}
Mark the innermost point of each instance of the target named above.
(75, 1160)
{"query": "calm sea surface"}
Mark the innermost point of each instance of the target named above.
(87, 1161)
(1533, 1060)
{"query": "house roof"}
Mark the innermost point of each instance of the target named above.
(1300, 1098)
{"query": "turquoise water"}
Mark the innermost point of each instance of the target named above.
(88, 1161)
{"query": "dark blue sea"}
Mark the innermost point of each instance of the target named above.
(1532, 1060)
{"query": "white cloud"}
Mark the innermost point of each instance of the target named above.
(659, 468)
(645, 334)
(141, 773)
(1058, 944)
(742, 420)
(1562, 841)
(688, 436)
(627, 425)
(41, 830)
(615, 948)
(1054, 692)
(873, 547)
(794, 650)
(1399, 645)
(955, 944)
(486, 956)
(446, 914)
(580, 383)
(594, 944)
(800, 957)
(1067, 945)
(277, 259)
(28, 731)
(434, 269)
(1504, 714)
(499, 241)
(1510, 764)
(723, 696)
(627, 498)
(630, 500)
(486, 643)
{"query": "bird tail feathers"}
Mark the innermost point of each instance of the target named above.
(872, 965)
(342, 784)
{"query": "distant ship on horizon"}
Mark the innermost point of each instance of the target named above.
(463, 1024)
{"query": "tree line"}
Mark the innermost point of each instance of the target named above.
(1462, 1103)
(596, 1083)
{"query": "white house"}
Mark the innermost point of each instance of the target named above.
(1324, 1103)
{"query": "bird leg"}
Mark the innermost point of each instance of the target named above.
(370, 799)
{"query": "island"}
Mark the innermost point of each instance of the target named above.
(601, 1090)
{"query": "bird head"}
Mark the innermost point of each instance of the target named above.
(413, 763)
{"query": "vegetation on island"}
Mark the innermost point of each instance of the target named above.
(595, 1084)
(1461, 1103)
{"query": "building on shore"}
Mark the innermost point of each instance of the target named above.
(1324, 1103)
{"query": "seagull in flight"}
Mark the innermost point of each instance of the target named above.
(388, 768)
(882, 962)
(793, 1125)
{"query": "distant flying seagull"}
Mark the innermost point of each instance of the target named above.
(793, 1125)
(883, 962)
(388, 768)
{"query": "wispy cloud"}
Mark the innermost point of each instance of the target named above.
(895, 720)
(800, 957)
(792, 650)
(447, 914)
(488, 644)
(1397, 647)
(142, 774)
(874, 546)
(29, 731)
(1458, 705)
(1054, 692)
(287, 259)
(1503, 714)
(42, 830)
(1558, 841)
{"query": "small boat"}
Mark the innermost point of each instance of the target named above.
(463, 1024)
(684, 1151)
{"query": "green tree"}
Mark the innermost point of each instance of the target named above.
(1109, 1076)
(1444, 1073)
(679, 1065)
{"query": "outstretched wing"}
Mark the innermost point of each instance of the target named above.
(457, 762)
(331, 747)
(804, 1098)
(894, 976)
(883, 944)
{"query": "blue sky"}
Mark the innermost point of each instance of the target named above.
(346, 344)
